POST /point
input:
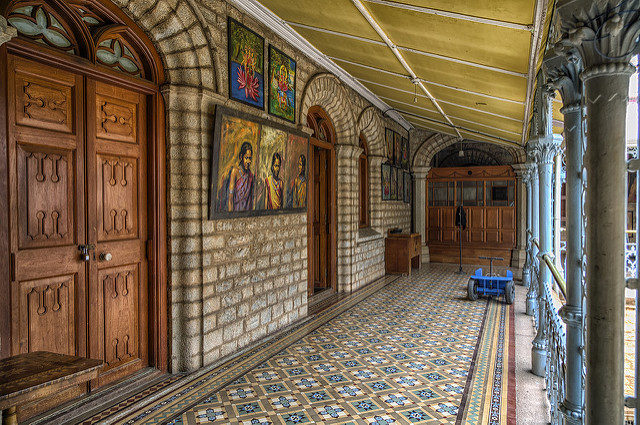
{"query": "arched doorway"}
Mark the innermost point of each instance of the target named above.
(84, 144)
(321, 218)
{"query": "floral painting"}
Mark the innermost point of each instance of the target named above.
(282, 85)
(397, 144)
(407, 188)
(394, 184)
(388, 136)
(405, 153)
(386, 182)
(246, 65)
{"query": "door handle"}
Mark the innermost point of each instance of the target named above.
(84, 251)
(105, 256)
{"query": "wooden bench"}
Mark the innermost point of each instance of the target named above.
(402, 252)
(32, 376)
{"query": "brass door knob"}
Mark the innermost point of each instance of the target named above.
(105, 256)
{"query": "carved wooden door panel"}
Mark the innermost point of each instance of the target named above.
(46, 178)
(321, 218)
(117, 199)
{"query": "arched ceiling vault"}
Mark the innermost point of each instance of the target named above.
(466, 69)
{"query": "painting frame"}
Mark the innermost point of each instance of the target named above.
(387, 168)
(230, 79)
(389, 140)
(397, 149)
(405, 153)
(214, 178)
(272, 49)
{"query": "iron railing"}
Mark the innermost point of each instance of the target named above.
(555, 331)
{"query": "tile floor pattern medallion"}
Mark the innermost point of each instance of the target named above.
(406, 350)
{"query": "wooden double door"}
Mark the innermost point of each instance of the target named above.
(78, 217)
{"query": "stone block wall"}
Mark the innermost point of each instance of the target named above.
(235, 281)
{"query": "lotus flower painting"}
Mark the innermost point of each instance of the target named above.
(246, 65)
(282, 85)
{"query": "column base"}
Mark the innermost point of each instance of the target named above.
(538, 359)
(424, 256)
(572, 414)
(526, 277)
(532, 305)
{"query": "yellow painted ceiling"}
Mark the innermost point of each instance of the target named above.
(472, 56)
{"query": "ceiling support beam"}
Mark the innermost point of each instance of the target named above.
(458, 128)
(408, 49)
(518, 120)
(453, 15)
(540, 13)
(414, 78)
(259, 12)
(432, 83)
(450, 116)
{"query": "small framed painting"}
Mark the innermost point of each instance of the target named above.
(386, 182)
(397, 145)
(389, 139)
(246, 64)
(394, 184)
(407, 188)
(405, 153)
(282, 85)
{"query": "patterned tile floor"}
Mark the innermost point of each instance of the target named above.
(414, 351)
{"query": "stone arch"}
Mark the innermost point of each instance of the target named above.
(437, 142)
(180, 34)
(326, 91)
(371, 126)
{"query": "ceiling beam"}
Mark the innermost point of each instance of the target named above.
(482, 111)
(540, 13)
(454, 15)
(450, 116)
(432, 83)
(408, 49)
(262, 14)
(414, 78)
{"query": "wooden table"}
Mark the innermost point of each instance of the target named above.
(402, 252)
(31, 376)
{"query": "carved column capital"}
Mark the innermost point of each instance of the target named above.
(6, 32)
(421, 172)
(563, 69)
(604, 32)
(545, 148)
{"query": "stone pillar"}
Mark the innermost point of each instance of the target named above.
(375, 192)
(604, 33)
(532, 298)
(6, 32)
(563, 73)
(557, 211)
(526, 271)
(347, 198)
(420, 207)
(518, 257)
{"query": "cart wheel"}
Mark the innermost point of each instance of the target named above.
(509, 292)
(472, 289)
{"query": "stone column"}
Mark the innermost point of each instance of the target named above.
(532, 297)
(420, 207)
(604, 33)
(526, 270)
(6, 32)
(563, 73)
(518, 258)
(347, 198)
(375, 192)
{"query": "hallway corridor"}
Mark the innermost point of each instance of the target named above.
(403, 350)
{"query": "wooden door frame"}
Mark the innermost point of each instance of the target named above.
(156, 182)
(333, 222)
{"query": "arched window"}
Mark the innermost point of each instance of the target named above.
(87, 29)
(363, 173)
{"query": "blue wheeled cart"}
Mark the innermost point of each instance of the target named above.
(492, 286)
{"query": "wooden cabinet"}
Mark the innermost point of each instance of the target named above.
(402, 252)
